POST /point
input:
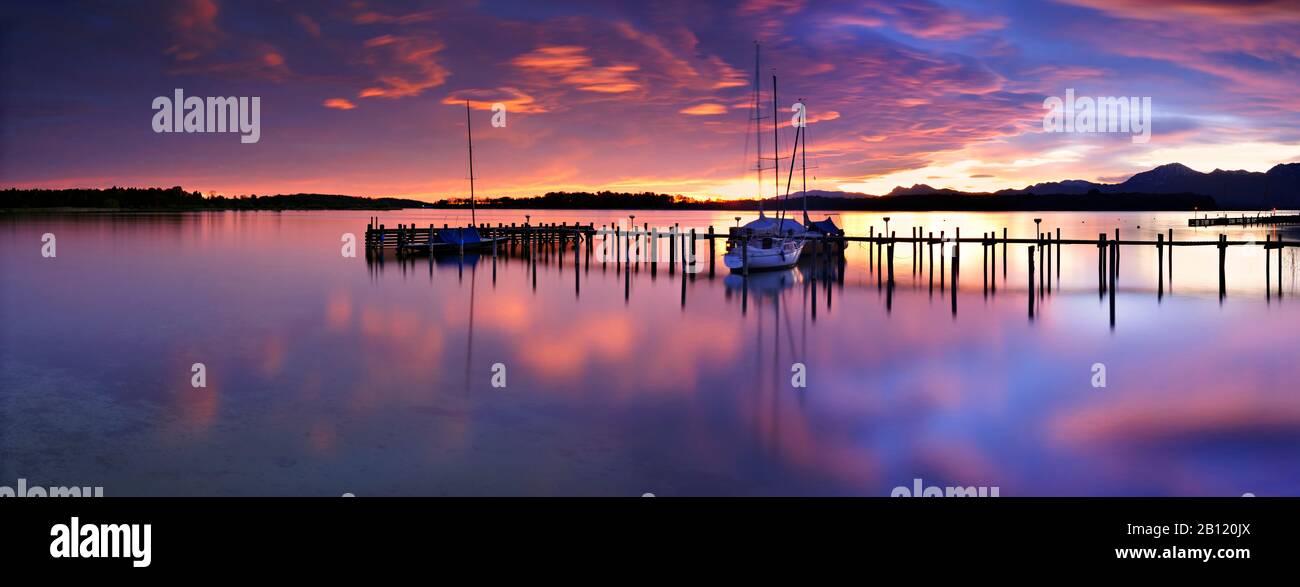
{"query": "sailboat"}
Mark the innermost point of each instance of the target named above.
(766, 243)
(467, 238)
(815, 228)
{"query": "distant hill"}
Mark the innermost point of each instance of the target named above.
(1279, 187)
(176, 198)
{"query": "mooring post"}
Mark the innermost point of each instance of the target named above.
(929, 247)
(1058, 254)
(871, 247)
(891, 262)
(692, 255)
(672, 249)
(1268, 266)
(1117, 249)
(943, 255)
(1160, 266)
(744, 256)
(1280, 250)
(1030, 291)
(1102, 251)
(956, 268)
(816, 268)
(1223, 260)
(1114, 276)
(1171, 258)
(913, 250)
(1041, 263)
(984, 260)
(654, 251)
(1047, 268)
(712, 254)
(992, 262)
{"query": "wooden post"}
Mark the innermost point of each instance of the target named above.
(1004, 252)
(871, 248)
(956, 269)
(1117, 249)
(992, 245)
(672, 250)
(1160, 266)
(1047, 268)
(1171, 258)
(1114, 275)
(744, 255)
(654, 251)
(1058, 253)
(929, 247)
(891, 262)
(712, 254)
(984, 260)
(1268, 267)
(1102, 250)
(691, 267)
(943, 260)
(1223, 260)
(1030, 291)
(1280, 250)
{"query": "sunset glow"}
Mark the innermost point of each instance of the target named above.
(367, 98)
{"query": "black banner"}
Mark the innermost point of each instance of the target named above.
(312, 536)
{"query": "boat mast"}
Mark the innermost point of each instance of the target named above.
(776, 159)
(758, 130)
(470, 133)
(802, 136)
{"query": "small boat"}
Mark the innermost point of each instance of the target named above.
(766, 253)
(766, 244)
(459, 239)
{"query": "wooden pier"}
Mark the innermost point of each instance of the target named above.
(1245, 220)
(637, 245)
(379, 236)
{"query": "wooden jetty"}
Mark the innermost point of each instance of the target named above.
(1245, 220)
(379, 236)
(637, 245)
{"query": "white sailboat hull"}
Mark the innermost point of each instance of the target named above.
(782, 255)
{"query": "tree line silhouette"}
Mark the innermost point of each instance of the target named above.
(176, 198)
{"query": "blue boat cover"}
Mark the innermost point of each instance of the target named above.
(826, 227)
(460, 236)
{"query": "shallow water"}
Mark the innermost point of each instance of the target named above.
(328, 374)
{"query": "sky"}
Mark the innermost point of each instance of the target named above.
(367, 97)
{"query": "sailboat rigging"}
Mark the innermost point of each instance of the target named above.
(765, 243)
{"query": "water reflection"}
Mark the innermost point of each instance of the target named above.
(373, 375)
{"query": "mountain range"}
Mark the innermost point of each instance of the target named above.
(1279, 187)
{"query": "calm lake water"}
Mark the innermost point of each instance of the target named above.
(328, 374)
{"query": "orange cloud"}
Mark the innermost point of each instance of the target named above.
(515, 100)
(577, 69)
(408, 66)
(707, 109)
(339, 103)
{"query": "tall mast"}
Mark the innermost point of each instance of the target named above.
(470, 133)
(758, 130)
(776, 156)
(803, 164)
